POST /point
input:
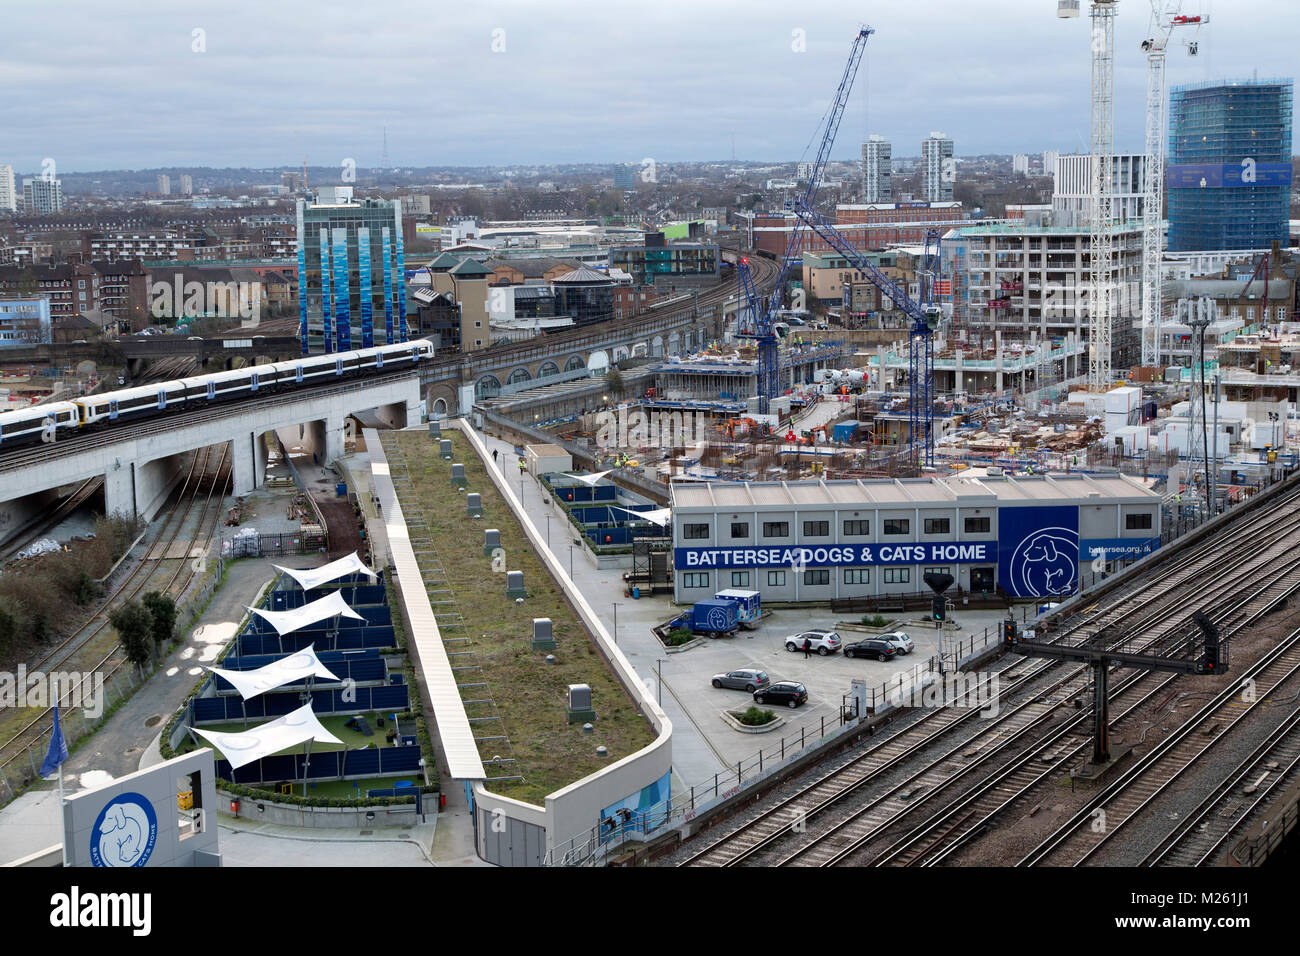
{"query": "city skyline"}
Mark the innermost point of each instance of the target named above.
(508, 84)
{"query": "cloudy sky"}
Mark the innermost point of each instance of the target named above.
(266, 82)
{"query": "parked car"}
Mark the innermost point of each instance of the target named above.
(823, 642)
(874, 647)
(900, 640)
(783, 692)
(747, 678)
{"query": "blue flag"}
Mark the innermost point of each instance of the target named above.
(58, 751)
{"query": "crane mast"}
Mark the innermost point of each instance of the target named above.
(1164, 17)
(1101, 235)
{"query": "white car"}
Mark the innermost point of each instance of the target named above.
(823, 642)
(900, 640)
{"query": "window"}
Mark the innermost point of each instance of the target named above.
(776, 579)
(816, 529)
(740, 579)
(740, 529)
(897, 526)
(776, 529)
(854, 526)
(857, 575)
(938, 526)
(933, 571)
(1138, 522)
(978, 525)
(817, 576)
(695, 531)
(698, 579)
(897, 575)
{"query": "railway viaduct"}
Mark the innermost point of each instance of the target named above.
(141, 460)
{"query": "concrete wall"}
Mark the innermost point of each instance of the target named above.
(18, 513)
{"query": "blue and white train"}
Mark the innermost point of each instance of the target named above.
(60, 419)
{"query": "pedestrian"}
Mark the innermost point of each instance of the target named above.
(807, 648)
(494, 456)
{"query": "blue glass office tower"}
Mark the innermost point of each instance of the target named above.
(350, 269)
(1229, 176)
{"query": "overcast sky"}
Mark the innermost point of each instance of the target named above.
(106, 86)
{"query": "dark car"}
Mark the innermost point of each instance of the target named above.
(783, 692)
(872, 647)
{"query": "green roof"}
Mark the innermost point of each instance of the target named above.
(471, 267)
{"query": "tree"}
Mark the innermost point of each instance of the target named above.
(163, 610)
(134, 626)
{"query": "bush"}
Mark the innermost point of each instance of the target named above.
(679, 636)
(754, 717)
(874, 620)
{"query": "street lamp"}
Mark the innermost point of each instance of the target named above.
(548, 532)
(615, 605)
(659, 682)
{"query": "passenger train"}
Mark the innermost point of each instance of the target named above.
(60, 419)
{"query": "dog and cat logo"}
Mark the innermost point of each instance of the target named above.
(125, 832)
(1038, 551)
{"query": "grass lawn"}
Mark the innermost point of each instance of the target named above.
(530, 694)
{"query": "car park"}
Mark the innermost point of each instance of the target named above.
(872, 647)
(782, 692)
(900, 640)
(823, 642)
(746, 678)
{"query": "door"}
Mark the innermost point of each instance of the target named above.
(981, 579)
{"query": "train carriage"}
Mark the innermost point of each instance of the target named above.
(30, 424)
(130, 403)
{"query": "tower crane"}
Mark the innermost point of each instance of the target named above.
(925, 319)
(1101, 238)
(756, 318)
(1165, 16)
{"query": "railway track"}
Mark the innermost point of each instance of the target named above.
(1135, 790)
(1203, 838)
(201, 483)
(1156, 610)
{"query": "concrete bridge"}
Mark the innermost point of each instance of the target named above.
(141, 460)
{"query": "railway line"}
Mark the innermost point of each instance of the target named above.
(1136, 790)
(166, 566)
(62, 510)
(1224, 571)
(1204, 838)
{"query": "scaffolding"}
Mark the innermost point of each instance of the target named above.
(1217, 131)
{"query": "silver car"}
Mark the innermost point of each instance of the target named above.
(747, 678)
(900, 640)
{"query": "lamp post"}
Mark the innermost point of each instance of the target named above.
(548, 533)
(659, 682)
(615, 605)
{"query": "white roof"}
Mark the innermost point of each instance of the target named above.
(309, 578)
(286, 622)
(286, 670)
(293, 728)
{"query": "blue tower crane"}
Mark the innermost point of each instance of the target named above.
(757, 319)
(925, 319)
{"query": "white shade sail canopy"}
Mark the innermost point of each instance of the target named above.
(309, 578)
(287, 670)
(660, 516)
(286, 622)
(292, 729)
(591, 479)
